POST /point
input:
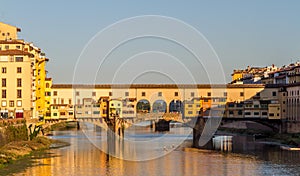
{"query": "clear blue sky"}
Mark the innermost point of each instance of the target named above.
(256, 33)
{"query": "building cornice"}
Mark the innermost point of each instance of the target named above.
(151, 86)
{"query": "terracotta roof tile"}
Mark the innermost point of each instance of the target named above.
(149, 86)
(12, 42)
(15, 52)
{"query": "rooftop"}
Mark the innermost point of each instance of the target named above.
(15, 52)
(145, 86)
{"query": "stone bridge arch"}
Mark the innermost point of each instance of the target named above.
(176, 106)
(143, 105)
(159, 106)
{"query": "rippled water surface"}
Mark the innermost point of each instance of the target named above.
(83, 157)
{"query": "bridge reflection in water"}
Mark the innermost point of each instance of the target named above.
(135, 145)
(222, 143)
(82, 158)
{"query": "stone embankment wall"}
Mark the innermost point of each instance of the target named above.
(12, 130)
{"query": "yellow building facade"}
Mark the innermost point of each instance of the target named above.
(48, 84)
(8, 32)
(23, 66)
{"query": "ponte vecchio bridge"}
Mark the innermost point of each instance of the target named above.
(147, 99)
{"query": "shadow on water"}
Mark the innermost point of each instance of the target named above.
(260, 149)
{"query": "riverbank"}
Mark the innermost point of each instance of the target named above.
(16, 150)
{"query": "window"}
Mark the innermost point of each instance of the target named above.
(19, 103)
(3, 93)
(247, 113)
(96, 112)
(240, 105)
(241, 94)
(143, 94)
(48, 94)
(159, 94)
(62, 101)
(88, 112)
(256, 106)
(54, 101)
(223, 100)
(3, 103)
(77, 93)
(70, 101)
(271, 114)
(19, 59)
(176, 94)
(70, 113)
(273, 94)
(225, 94)
(4, 70)
(126, 94)
(55, 114)
(62, 113)
(283, 102)
(54, 93)
(240, 112)
(19, 69)
(264, 113)
(18, 47)
(3, 82)
(6, 47)
(110, 94)
(256, 113)
(19, 82)
(190, 112)
(231, 112)
(11, 103)
(96, 105)
(208, 94)
(231, 105)
(19, 93)
(190, 106)
(192, 94)
(47, 85)
(93, 94)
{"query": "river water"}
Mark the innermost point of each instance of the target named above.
(87, 155)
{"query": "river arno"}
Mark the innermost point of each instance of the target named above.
(83, 158)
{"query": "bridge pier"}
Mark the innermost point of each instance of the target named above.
(116, 125)
(197, 131)
(162, 125)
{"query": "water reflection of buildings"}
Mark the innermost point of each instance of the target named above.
(82, 158)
